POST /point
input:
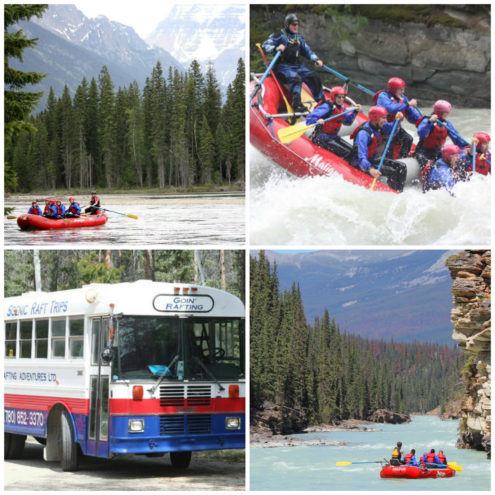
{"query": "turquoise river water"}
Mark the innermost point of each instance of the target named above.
(313, 468)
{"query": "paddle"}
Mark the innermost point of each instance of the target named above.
(348, 80)
(346, 463)
(474, 158)
(11, 217)
(385, 151)
(118, 213)
(289, 108)
(268, 70)
(455, 466)
(288, 134)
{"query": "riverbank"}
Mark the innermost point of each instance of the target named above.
(262, 438)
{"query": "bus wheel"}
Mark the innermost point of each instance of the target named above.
(14, 445)
(69, 458)
(180, 460)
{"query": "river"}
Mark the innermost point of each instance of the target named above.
(180, 219)
(313, 468)
(285, 210)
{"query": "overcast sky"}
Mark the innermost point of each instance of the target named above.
(143, 16)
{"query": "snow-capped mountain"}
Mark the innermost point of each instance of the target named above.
(104, 37)
(206, 33)
(377, 294)
(72, 46)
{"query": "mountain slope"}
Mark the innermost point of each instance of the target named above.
(206, 33)
(377, 294)
(71, 46)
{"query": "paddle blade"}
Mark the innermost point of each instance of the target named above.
(11, 217)
(343, 463)
(131, 216)
(373, 184)
(455, 467)
(288, 134)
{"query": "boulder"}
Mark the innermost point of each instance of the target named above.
(385, 416)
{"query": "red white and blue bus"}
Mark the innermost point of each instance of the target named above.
(131, 368)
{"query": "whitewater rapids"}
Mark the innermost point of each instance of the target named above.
(285, 210)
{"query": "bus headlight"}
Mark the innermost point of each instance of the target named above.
(232, 423)
(136, 426)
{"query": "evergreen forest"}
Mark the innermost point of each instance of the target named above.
(70, 269)
(327, 375)
(175, 132)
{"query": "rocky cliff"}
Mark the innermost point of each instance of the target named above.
(436, 58)
(471, 316)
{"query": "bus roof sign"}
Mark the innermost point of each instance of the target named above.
(175, 303)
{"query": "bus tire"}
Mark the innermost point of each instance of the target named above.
(180, 460)
(69, 454)
(15, 446)
(7, 440)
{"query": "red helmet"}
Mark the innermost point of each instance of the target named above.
(376, 112)
(71, 199)
(395, 83)
(449, 150)
(482, 137)
(441, 106)
(337, 90)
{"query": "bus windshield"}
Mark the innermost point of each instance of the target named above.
(179, 349)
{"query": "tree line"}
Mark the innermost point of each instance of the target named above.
(175, 132)
(70, 269)
(327, 375)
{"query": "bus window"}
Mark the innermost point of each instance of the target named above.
(41, 338)
(26, 340)
(58, 338)
(148, 348)
(76, 339)
(217, 345)
(11, 339)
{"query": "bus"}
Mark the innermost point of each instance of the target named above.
(130, 368)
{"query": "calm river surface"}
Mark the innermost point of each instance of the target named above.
(185, 219)
(313, 468)
(286, 210)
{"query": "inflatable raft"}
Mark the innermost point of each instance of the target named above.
(37, 222)
(302, 157)
(412, 472)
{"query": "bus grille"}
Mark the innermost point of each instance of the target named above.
(176, 395)
(184, 425)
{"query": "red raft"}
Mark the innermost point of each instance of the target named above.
(413, 472)
(301, 157)
(37, 222)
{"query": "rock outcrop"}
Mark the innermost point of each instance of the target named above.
(471, 316)
(278, 420)
(436, 61)
(384, 416)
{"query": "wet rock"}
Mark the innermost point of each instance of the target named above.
(385, 416)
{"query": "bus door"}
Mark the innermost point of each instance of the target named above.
(99, 381)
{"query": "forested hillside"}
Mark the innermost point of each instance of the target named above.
(71, 269)
(173, 132)
(327, 375)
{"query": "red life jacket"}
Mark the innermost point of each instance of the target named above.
(436, 139)
(59, 210)
(482, 164)
(33, 211)
(72, 209)
(95, 202)
(333, 126)
(442, 458)
(376, 142)
(47, 210)
(430, 457)
(408, 457)
(424, 173)
(390, 116)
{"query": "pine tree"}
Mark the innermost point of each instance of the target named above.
(106, 115)
(19, 104)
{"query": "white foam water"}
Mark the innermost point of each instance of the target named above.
(285, 210)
